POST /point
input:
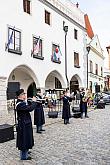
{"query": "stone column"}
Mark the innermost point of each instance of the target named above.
(42, 89)
(3, 100)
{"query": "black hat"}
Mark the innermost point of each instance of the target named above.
(38, 90)
(19, 92)
(64, 92)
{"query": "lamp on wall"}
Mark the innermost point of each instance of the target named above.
(88, 50)
(13, 76)
(65, 28)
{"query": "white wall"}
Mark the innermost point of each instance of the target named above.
(13, 15)
(96, 56)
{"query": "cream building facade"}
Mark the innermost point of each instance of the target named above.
(32, 33)
(95, 60)
(107, 70)
(96, 65)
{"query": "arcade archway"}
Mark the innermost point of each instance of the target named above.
(21, 77)
(54, 80)
(75, 83)
(31, 91)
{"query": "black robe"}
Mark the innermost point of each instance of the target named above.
(66, 107)
(83, 105)
(39, 118)
(25, 138)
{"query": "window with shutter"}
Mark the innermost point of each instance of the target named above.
(14, 41)
(91, 66)
(26, 6)
(96, 71)
(75, 34)
(76, 59)
(37, 48)
(47, 17)
(56, 54)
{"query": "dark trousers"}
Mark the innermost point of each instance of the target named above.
(23, 154)
(38, 128)
(84, 109)
(66, 121)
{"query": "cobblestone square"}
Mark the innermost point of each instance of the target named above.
(82, 142)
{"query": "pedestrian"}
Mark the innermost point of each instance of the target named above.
(83, 103)
(25, 140)
(66, 107)
(39, 119)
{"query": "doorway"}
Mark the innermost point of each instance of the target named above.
(31, 91)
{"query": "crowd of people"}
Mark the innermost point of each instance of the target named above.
(25, 140)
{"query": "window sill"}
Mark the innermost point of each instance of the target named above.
(58, 62)
(38, 57)
(47, 23)
(15, 51)
(27, 12)
(76, 66)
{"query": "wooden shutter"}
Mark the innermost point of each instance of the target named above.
(24, 5)
(28, 7)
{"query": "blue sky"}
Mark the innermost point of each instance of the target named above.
(99, 16)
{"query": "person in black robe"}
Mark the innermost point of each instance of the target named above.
(39, 119)
(66, 107)
(25, 140)
(83, 104)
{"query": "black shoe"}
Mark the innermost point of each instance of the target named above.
(42, 130)
(39, 132)
(29, 158)
(87, 116)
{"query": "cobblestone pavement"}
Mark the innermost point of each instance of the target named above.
(82, 142)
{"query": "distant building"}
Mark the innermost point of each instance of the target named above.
(107, 72)
(95, 59)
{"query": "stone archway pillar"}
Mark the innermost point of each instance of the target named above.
(42, 90)
(3, 99)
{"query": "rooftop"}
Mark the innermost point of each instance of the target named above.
(88, 26)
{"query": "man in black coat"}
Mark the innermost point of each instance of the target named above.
(25, 139)
(39, 119)
(83, 104)
(66, 107)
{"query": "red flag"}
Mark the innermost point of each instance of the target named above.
(58, 53)
(37, 47)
